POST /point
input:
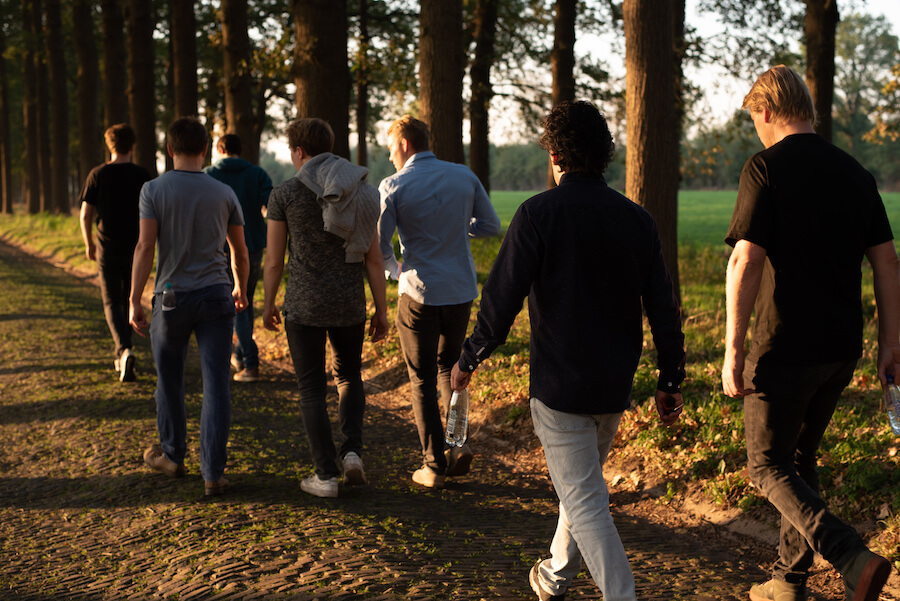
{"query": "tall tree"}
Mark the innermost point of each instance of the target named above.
(562, 59)
(321, 68)
(141, 93)
(6, 191)
(441, 70)
(43, 106)
(652, 131)
(59, 150)
(115, 79)
(184, 57)
(362, 85)
(482, 92)
(239, 115)
(90, 151)
(820, 28)
(30, 109)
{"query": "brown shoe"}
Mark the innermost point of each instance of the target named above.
(155, 458)
(459, 460)
(777, 590)
(249, 374)
(214, 489)
(428, 477)
(865, 577)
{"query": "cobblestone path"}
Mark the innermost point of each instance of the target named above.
(82, 518)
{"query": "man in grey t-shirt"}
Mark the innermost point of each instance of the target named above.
(189, 216)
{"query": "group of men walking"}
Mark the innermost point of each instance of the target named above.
(589, 263)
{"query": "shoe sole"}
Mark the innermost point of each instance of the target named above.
(216, 489)
(355, 477)
(873, 578)
(127, 373)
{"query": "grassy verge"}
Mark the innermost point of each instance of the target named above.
(705, 454)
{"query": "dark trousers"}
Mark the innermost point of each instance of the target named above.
(115, 287)
(431, 338)
(307, 345)
(246, 350)
(784, 424)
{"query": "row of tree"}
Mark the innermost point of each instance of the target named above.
(146, 61)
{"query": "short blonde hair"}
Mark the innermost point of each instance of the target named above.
(412, 130)
(782, 92)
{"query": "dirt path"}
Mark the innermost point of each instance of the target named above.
(82, 518)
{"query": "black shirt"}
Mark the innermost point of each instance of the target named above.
(114, 190)
(587, 258)
(815, 210)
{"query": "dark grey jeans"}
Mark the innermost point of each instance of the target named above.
(307, 346)
(115, 287)
(784, 424)
(431, 338)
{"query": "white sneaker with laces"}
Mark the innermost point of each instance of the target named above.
(354, 474)
(319, 487)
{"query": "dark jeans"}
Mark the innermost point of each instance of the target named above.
(115, 287)
(307, 345)
(784, 424)
(246, 349)
(431, 338)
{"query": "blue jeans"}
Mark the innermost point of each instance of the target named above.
(209, 314)
(246, 349)
(784, 424)
(576, 446)
(307, 346)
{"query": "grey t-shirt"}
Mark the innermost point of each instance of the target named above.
(323, 290)
(193, 212)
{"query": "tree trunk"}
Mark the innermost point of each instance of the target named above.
(821, 25)
(30, 110)
(90, 152)
(141, 95)
(43, 109)
(59, 150)
(240, 118)
(652, 157)
(441, 69)
(322, 72)
(362, 86)
(6, 192)
(184, 57)
(115, 80)
(562, 60)
(480, 76)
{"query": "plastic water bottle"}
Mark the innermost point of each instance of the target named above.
(168, 297)
(892, 400)
(458, 419)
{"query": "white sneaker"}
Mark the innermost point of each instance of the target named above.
(354, 474)
(126, 366)
(315, 485)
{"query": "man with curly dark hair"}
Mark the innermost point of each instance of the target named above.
(587, 259)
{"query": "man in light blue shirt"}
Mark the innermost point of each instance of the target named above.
(435, 206)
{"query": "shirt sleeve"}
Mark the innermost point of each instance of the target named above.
(485, 221)
(387, 223)
(752, 218)
(90, 191)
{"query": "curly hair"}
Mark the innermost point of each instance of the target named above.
(577, 133)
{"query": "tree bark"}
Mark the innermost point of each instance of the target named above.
(820, 28)
(59, 151)
(441, 70)
(321, 68)
(90, 152)
(652, 156)
(240, 118)
(6, 191)
(482, 92)
(562, 60)
(184, 57)
(43, 109)
(30, 111)
(115, 80)
(362, 86)
(141, 95)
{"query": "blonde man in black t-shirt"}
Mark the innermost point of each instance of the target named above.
(806, 215)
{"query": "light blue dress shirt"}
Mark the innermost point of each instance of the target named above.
(436, 206)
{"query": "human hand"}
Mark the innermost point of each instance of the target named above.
(271, 317)
(459, 379)
(90, 252)
(733, 375)
(137, 319)
(669, 406)
(378, 327)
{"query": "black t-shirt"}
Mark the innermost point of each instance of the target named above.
(114, 190)
(815, 210)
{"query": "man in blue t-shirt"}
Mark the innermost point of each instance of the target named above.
(189, 216)
(806, 215)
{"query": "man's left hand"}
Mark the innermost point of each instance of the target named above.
(669, 406)
(459, 379)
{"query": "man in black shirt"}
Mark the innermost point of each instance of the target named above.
(806, 214)
(587, 259)
(110, 196)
